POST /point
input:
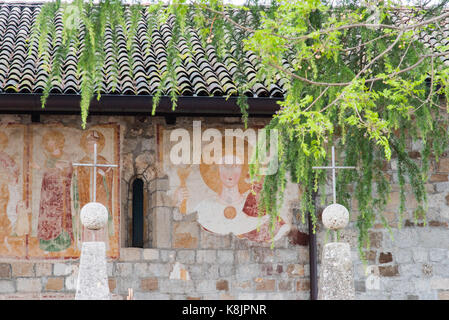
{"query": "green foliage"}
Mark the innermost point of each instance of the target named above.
(354, 79)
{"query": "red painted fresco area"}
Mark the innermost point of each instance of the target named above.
(41, 193)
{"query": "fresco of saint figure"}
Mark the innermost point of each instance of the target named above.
(54, 229)
(233, 208)
(9, 192)
(83, 185)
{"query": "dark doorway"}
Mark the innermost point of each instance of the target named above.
(137, 213)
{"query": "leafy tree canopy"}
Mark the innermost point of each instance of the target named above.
(356, 77)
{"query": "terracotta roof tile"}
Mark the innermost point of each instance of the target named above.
(199, 74)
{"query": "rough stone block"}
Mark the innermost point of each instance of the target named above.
(141, 269)
(389, 271)
(403, 256)
(225, 256)
(167, 255)
(185, 256)
(206, 256)
(149, 284)
(437, 238)
(124, 269)
(370, 256)
(265, 284)
(222, 285)
(159, 269)
(375, 239)
(420, 254)
(443, 295)
(247, 271)
(54, 284)
(394, 201)
(62, 269)
(285, 285)
(150, 254)
(112, 283)
(441, 269)
(385, 257)
(151, 295)
(412, 269)
(303, 255)
(439, 283)
(29, 285)
(43, 269)
(226, 270)
(422, 285)
(252, 296)
(303, 285)
(172, 286)
(242, 256)
(206, 286)
(5, 270)
(263, 255)
(242, 285)
(226, 296)
(7, 286)
(437, 255)
(438, 177)
(204, 271)
(130, 254)
(298, 238)
(295, 270)
(22, 269)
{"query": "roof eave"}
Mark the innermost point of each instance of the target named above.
(109, 104)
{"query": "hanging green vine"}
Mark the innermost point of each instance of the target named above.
(353, 78)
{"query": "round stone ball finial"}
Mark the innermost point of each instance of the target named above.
(94, 216)
(335, 216)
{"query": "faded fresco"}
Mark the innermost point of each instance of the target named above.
(221, 195)
(14, 204)
(46, 218)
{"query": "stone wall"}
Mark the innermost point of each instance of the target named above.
(411, 261)
(182, 261)
(251, 273)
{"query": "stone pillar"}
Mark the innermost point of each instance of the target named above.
(92, 282)
(336, 281)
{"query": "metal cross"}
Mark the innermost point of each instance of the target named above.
(95, 165)
(333, 167)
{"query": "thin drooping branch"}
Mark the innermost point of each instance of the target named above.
(330, 30)
(316, 99)
(344, 84)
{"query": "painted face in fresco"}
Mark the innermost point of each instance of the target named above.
(89, 140)
(54, 148)
(230, 173)
(90, 145)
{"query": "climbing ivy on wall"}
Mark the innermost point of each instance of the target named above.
(355, 78)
